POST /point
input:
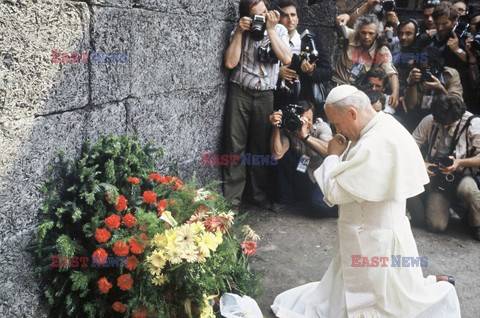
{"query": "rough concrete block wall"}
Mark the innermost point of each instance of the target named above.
(172, 90)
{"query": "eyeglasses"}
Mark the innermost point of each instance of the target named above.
(430, 3)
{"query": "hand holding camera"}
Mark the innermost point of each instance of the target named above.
(275, 118)
(287, 74)
(453, 42)
(272, 18)
(244, 24)
(431, 82)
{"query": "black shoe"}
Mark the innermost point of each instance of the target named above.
(279, 207)
(446, 278)
(264, 205)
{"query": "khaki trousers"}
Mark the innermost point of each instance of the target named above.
(435, 212)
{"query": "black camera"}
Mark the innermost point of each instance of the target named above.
(308, 52)
(385, 6)
(476, 43)
(291, 117)
(443, 182)
(461, 29)
(257, 29)
(265, 54)
(427, 74)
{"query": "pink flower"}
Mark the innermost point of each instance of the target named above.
(249, 247)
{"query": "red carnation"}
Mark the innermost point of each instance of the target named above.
(149, 197)
(125, 282)
(132, 262)
(121, 203)
(104, 285)
(133, 180)
(135, 247)
(161, 205)
(156, 177)
(120, 248)
(129, 220)
(144, 237)
(119, 307)
(99, 256)
(102, 235)
(113, 221)
(140, 313)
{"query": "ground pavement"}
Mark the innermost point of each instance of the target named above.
(296, 248)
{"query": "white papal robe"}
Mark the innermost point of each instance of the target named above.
(370, 185)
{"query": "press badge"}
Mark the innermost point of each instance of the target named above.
(303, 163)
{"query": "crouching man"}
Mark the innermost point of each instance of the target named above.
(452, 139)
(301, 145)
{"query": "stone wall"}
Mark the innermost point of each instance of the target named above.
(172, 91)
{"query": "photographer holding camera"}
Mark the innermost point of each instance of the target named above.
(257, 44)
(452, 139)
(294, 129)
(365, 51)
(310, 64)
(427, 80)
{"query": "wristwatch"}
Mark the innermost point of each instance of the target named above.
(305, 139)
(460, 51)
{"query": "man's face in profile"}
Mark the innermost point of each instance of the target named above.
(308, 116)
(290, 19)
(345, 122)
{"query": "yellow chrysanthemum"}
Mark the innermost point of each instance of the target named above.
(159, 280)
(201, 257)
(190, 255)
(160, 240)
(174, 255)
(154, 270)
(157, 259)
(208, 241)
(219, 236)
(198, 227)
(185, 235)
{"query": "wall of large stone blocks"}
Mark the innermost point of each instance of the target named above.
(172, 91)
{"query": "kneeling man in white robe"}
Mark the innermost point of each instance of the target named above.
(373, 166)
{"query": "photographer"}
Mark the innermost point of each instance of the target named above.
(308, 146)
(472, 47)
(307, 73)
(364, 52)
(427, 80)
(256, 44)
(452, 139)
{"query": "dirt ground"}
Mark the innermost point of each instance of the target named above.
(296, 248)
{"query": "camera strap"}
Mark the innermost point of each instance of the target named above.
(456, 138)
